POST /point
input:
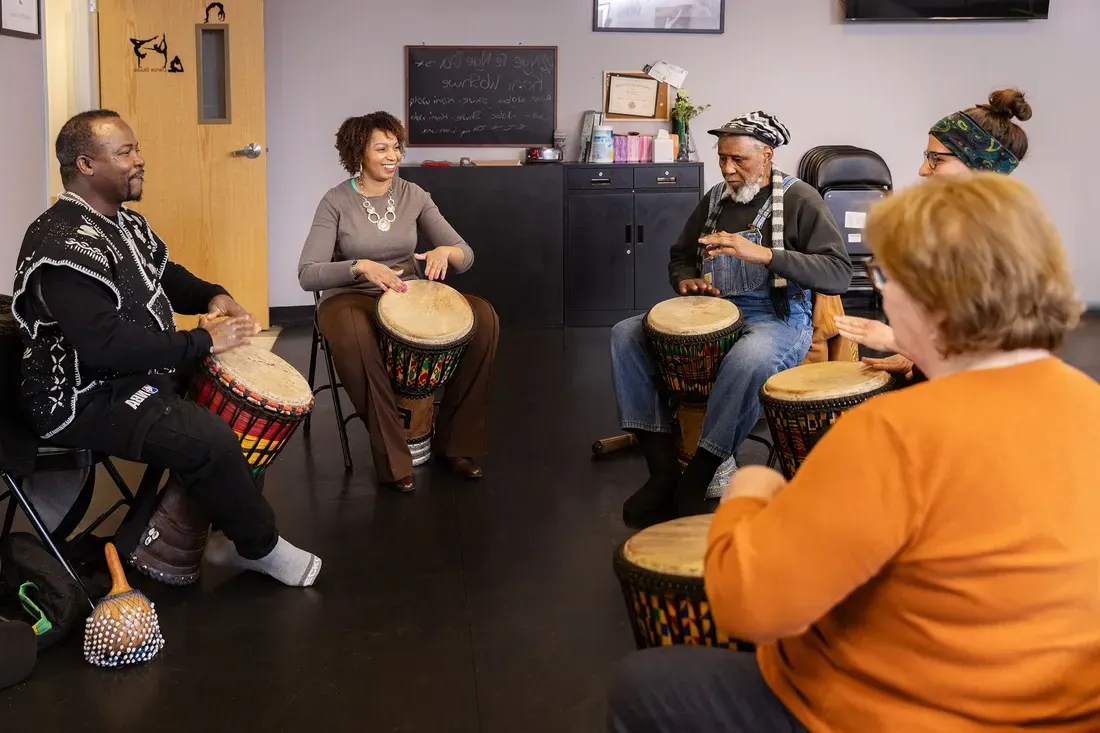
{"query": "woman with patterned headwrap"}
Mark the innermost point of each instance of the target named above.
(982, 138)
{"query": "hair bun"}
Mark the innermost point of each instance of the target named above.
(1009, 103)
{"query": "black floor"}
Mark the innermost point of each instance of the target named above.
(467, 606)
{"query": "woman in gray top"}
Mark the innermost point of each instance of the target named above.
(363, 243)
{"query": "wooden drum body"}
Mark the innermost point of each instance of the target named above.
(262, 397)
(689, 336)
(660, 570)
(802, 403)
(422, 333)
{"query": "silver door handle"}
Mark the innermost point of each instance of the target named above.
(253, 150)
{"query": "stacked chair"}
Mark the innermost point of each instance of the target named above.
(851, 180)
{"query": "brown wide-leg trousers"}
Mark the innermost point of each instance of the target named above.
(346, 322)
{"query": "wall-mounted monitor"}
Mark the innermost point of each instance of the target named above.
(925, 10)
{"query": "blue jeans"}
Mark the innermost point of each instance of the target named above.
(767, 346)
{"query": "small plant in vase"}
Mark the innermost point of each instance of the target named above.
(683, 112)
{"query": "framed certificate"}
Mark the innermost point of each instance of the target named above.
(21, 18)
(634, 95)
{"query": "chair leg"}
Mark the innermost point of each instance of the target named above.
(44, 535)
(109, 465)
(340, 424)
(312, 368)
(9, 517)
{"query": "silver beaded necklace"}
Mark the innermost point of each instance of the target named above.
(382, 222)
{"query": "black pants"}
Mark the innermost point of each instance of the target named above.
(144, 419)
(685, 689)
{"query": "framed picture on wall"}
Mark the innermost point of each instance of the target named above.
(21, 18)
(659, 16)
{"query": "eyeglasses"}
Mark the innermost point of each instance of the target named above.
(876, 275)
(934, 157)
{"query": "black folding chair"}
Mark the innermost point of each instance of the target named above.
(320, 343)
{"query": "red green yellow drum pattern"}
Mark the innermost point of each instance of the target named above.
(802, 403)
(660, 571)
(261, 397)
(689, 336)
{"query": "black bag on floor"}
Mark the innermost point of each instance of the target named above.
(38, 582)
(18, 652)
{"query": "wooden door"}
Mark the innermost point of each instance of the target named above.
(188, 76)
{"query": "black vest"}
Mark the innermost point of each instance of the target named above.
(122, 253)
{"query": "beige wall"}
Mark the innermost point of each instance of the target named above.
(23, 130)
(874, 85)
(72, 71)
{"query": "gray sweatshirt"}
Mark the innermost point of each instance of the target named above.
(342, 233)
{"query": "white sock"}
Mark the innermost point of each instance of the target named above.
(286, 563)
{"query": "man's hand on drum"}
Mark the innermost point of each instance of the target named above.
(223, 306)
(734, 245)
(697, 286)
(228, 333)
(384, 277)
(867, 332)
(438, 260)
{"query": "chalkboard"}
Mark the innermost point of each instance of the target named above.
(481, 96)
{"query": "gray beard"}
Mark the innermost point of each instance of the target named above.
(746, 193)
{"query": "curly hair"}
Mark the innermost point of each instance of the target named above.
(355, 132)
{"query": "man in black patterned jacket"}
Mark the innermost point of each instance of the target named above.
(95, 294)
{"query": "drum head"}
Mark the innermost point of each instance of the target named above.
(693, 315)
(675, 547)
(428, 313)
(265, 374)
(825, 380)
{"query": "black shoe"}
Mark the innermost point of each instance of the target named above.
(691, 490)
(655, 501)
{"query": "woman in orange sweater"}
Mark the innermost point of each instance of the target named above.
(934, 566)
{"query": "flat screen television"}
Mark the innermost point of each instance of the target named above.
(901, 10)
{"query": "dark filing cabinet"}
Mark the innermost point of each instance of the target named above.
(620, 221)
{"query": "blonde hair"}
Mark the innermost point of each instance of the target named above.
(980, 254)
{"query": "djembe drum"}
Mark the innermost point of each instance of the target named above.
(689, 336)
(422, 333)
(264, 400)
(802, 403)
(660, 570)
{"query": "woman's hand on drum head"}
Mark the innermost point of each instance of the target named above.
(866, 332)
(435, 262)
(697, 286)
(384, 277)
(754, 481)
(896, 364)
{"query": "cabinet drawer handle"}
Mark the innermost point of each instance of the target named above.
(666, 179)
(601, 181)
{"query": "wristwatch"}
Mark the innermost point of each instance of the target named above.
(354, 273)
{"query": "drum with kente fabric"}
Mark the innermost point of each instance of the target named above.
(690, 336)
(802, 403)
(422, 333)
(660, 570)
(262, 397)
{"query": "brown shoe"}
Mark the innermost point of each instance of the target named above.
(171, 547)
(464, 467)
(405, 484)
